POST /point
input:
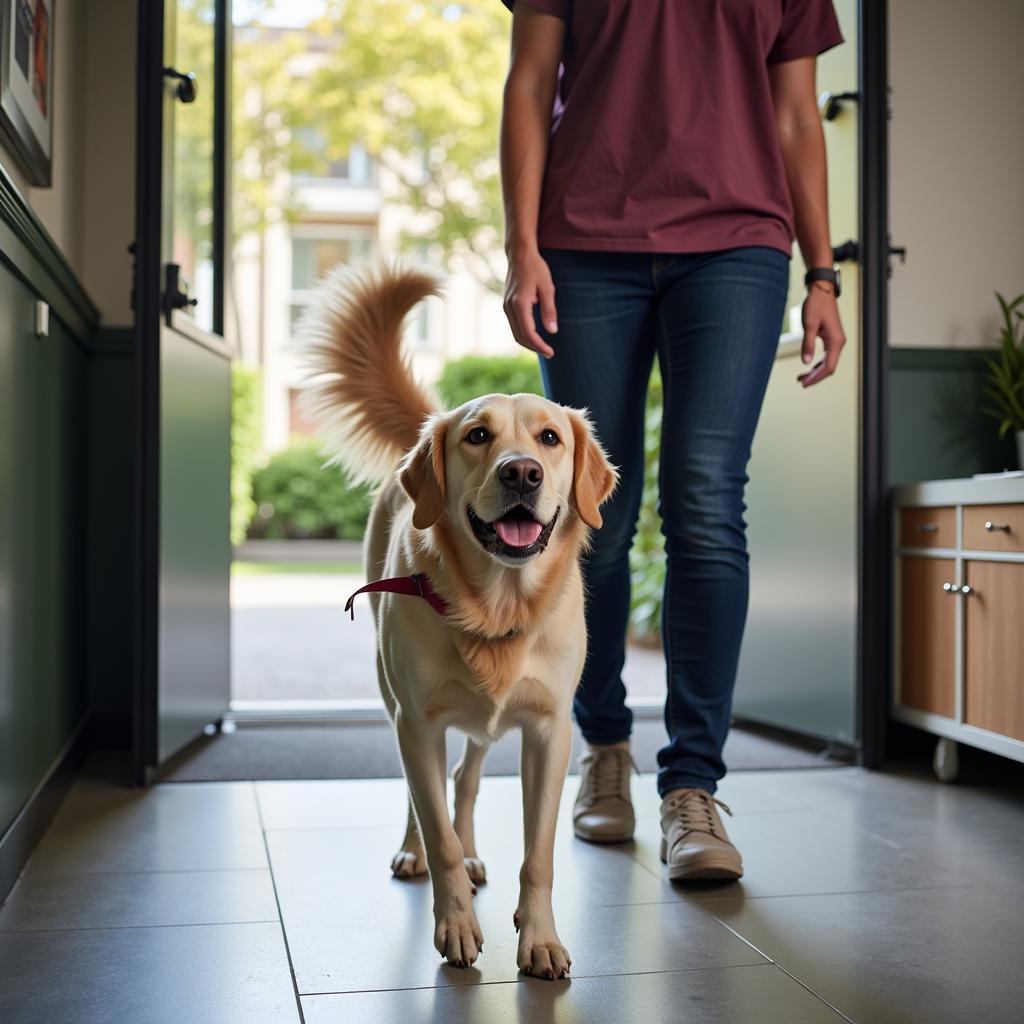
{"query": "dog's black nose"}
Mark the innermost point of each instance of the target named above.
(522, 475)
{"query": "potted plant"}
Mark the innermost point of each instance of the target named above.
(1005, 385)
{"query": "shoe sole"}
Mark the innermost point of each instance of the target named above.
(709, 869)
(627, 838)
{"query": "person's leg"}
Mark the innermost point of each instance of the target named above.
(604, 350)
(719, 319)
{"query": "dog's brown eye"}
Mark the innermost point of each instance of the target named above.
(478, 435)
(549, 437)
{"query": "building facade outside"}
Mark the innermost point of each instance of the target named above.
(343, 213)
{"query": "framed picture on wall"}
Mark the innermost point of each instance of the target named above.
(26, 85)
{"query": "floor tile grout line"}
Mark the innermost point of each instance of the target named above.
(703, 904)
(525, 979)
(277, 902)
(44, 874)
(817, 995)
(135, 927)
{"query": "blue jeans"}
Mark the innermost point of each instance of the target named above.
(714, 321)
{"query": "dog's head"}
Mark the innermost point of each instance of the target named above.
(507, 470)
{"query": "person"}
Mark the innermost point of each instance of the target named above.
(657, 159)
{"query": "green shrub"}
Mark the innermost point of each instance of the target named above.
(466, 378)
(297, 497)
(647, 557)
(245, 442)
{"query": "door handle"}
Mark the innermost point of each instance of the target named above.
(175, 297)
(187, 88)
(832, 104)
(846, 252)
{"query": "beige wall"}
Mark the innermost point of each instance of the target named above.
(957, 167)
(90, 209)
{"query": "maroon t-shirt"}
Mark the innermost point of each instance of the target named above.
(664, 136)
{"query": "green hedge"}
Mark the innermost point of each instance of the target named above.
(647, 557)
(297, 497)
(471, 376)
(245, 441)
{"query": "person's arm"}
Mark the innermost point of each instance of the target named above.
(537, 41)
(802, 143)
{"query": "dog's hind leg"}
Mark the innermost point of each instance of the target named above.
(410, 861)
(457, 935)
(467, 785)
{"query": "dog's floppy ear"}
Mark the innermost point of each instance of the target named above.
(593, 477)
(422, 472)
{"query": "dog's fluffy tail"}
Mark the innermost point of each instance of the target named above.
(359, 387)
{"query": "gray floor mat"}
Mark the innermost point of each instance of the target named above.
(368, 750)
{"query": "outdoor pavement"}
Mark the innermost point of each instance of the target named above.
(293, 641)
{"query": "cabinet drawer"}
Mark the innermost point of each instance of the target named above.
(994, 528)
(994, 647)
(927, 622)
(928, 527)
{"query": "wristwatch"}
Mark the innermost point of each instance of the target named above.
(824, 274)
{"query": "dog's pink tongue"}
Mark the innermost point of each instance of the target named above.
(518, 533)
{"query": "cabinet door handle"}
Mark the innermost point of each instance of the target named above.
(927, 528)
(993, 527)
(966, 590)
(951, 588)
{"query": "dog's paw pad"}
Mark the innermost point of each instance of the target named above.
(406, 864)
(476, 870)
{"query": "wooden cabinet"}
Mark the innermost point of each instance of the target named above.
(958, 661)
(927, 657)
(994, 528)
(928, 527)
(994, 647)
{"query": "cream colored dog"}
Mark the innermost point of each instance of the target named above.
(492, 503)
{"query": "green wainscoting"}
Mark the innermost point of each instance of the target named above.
(43, 520)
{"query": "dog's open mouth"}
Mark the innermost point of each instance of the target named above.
(515, 534)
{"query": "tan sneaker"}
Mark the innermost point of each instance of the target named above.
(694, 843)
(603, 812)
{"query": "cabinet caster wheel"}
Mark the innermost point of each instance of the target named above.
(946, 761)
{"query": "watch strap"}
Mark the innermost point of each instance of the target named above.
(822, 274)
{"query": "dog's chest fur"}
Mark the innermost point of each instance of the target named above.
(501, 683)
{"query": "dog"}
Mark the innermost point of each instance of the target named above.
(483, 510)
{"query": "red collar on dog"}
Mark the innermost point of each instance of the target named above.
(417, 585)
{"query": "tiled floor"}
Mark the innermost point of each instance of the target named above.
(867, 897)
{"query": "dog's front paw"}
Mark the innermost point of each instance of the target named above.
(457, 934)
(408, 864)
(476, 870)
(541, 953)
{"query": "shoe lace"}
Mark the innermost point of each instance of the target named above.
(695, 809)
(609, 772)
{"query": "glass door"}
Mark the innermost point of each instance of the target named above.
(186, 377)
(798, 668)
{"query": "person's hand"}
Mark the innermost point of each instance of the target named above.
(821, 320)
(528, 283)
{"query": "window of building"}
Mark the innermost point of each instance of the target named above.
(354, 168)
(317, 249)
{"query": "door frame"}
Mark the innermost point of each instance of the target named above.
(874, 569)
(147, 305)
